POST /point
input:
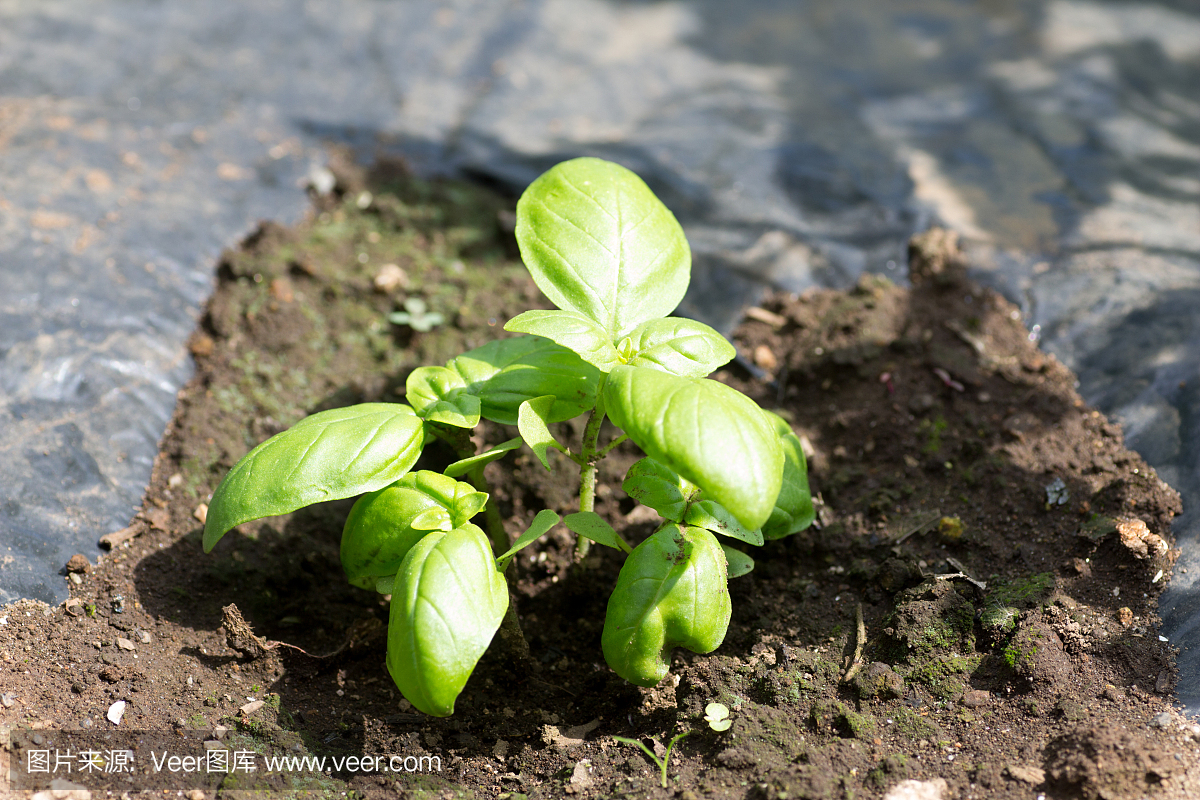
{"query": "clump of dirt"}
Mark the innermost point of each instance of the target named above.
(973, 610)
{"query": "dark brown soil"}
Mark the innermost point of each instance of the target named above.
(1001, 548)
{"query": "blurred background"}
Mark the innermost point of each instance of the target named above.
(800, 142)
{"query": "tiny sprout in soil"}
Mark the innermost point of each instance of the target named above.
(717, 717)
(718, 468)
(661, 763)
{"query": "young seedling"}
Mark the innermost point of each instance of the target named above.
(660, 762)
(615, 262)
(717, 716)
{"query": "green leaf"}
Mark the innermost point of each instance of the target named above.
(440, 395)
(465, 465)
(573, 331)
(384, 585)
(660, 487)
(591, 525)
(447, 602)
(679, 346)
(531, 422)
(384, 525)
(713, 435)
(739, 563)
(328, 456)
(544, 521)
(506, 372)
(794, 510)
(597, 241)
(672, 592)
(713, 517)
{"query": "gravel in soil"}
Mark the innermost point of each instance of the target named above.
(972, 615)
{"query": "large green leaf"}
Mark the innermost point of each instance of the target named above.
(672, 592)
(713, 435)
(597, 241)
(794, 510)
(384, 525)
(506, 372)
(679, 346)
(327, 456)
(448, 600)
(573, 331)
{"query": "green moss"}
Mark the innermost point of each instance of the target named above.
(933, 430)
(943, 676)
(908, 723)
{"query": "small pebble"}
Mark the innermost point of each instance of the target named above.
(175, 480)
(144, 637)
(118, 604)
(195, 794)
(116, 711)
(250, 708)
(390, 278)
(201, 513)
(125, 644)
(75, 607)
(1161, 720)
(75, 579)
(765, 358)
(78, 563)
(8, 699)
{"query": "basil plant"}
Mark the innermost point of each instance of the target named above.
(718, 468)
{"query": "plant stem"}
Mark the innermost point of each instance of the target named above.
(590, 454)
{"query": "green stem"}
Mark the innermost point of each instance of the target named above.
(589, 454)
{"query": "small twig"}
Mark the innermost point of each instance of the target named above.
(920, 527)
(860, 643)
(117, 538)
(239, 636)
(963, 574)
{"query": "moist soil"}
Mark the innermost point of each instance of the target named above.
(973, 610)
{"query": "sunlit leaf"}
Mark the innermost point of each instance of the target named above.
(597, 241)
(331, 455)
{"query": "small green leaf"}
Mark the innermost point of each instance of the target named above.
(438, 394)
(597, 241)
(738, 562)
(531, 422)
(713, 517)
(672, 592)
(660, 487)
(330, 455)
(573, 331)
(488, 456)
(447, 602)
(384, 585)
(506, 372)
(591, 525)
(679, 346)
(713, 435)
(544, 521)
(384, 525)
(794, 509)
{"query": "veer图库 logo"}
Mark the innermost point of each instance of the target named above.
(144, 760)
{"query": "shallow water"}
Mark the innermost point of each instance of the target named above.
(800, 142)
